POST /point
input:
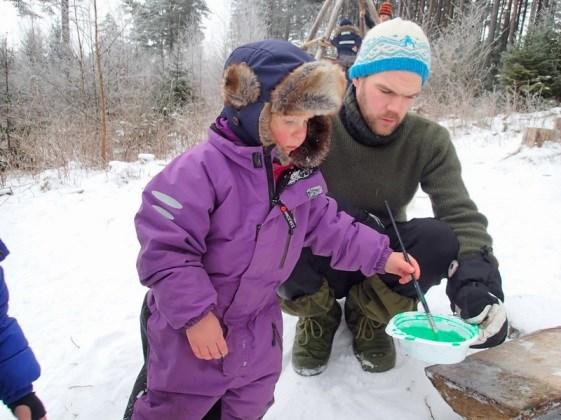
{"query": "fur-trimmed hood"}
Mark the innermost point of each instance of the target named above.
(276, 76)
(346, 28)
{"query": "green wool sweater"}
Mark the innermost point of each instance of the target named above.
(368, 169)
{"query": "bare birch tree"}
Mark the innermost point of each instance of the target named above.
(102, 115)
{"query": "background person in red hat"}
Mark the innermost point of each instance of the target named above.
(385, 11)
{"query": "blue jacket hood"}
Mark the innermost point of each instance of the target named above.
(271, 60)
(3, 251)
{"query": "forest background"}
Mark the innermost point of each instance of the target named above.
(87, 88)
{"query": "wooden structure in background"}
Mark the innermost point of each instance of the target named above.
(335, 6)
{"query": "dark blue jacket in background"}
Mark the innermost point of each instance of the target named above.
(347, 38)
(18, 366)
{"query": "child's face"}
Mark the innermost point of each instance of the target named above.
(289, 130)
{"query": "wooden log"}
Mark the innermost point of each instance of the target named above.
(534, 136)
(520, 379)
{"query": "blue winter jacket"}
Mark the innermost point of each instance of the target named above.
(18, 366)
(347, 40)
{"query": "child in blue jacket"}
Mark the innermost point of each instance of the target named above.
(18, 366)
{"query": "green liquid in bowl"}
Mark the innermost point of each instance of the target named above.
(426, 332)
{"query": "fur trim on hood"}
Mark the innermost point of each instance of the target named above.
(346, 28)
(252, 91)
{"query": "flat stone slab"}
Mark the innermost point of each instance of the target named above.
(520, 379)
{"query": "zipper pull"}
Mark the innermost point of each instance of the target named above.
(257, 229)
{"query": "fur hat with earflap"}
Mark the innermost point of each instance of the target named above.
(276, 76)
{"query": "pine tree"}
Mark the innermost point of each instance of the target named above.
(534, 67)
(286, 19)
(160, 24)
(171, 29)
(6, 124)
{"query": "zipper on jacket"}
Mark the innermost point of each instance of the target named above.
(287, 214)
(286, 248)
(276, 336)
(276, 201)
(269, 171)
(257, 229)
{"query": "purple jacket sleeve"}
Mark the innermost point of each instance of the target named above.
(351, 245)
(172, 225)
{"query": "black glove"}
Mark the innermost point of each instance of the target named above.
(475, 292)
(34, 403)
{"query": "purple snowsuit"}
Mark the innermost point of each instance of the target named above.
(214, 239)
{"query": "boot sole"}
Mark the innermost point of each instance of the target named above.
(310, 371)
(368, 366)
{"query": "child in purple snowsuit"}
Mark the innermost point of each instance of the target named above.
(222, 226)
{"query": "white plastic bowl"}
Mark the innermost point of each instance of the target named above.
(413, 336)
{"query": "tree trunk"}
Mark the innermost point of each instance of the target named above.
(7, 79)
(372, 11)
(521, 26)
(81, 63)
(421, 11)
(493, 22)
(513, 21)
(361, 17)
(449, 15)
(64, 23)
(430, 17)
(102, 120)
(505, 28)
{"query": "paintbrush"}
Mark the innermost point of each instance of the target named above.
(420, 294)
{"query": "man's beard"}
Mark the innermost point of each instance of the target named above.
(377, 127)
(374, 122)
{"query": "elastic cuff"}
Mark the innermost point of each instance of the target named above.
(33, 402)
(381, 266)
(495, 340)
(193, 321)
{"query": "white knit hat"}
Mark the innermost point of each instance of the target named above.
(394, 45)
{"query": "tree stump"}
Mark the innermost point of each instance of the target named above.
(534, 136)
(520, 379)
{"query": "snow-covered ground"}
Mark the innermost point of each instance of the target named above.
(74, 288)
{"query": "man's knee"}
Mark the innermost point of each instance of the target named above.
(314, 304)
(306, 278)
(377, 301)
(434, 245)
(437, 237)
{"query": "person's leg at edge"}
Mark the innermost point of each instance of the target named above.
(140, 384)
(165, 405)
(250, 401)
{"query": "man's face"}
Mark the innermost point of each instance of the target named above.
(384, 98)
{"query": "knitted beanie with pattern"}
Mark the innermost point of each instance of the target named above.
(394, 45)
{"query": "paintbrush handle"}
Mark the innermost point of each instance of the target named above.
(415, 281)
(420, 295)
